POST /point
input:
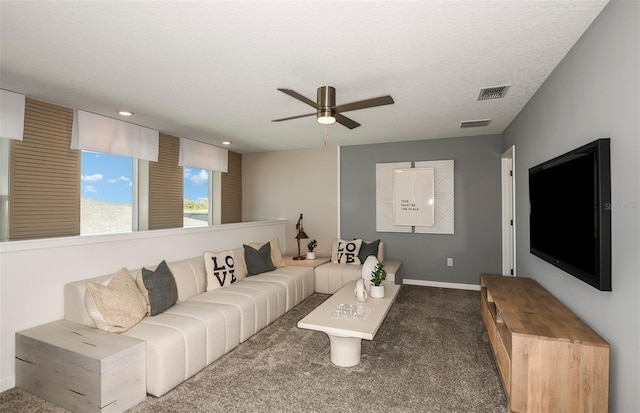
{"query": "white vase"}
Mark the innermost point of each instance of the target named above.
(367, 268)
(376, 291)
(311, 255)
(359, 290)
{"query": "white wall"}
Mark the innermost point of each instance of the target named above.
(593, 93)
(284, 184)
(33, 273)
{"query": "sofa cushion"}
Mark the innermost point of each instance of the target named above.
(348, 251)
(158, 287)
(258, 260)
(117, 304)
(298, 280)
(276, 253)
(367, 249)
(176, 349)
(221, 269)
(190, 275)
(330, 277)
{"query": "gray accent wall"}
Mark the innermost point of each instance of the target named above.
(593, 93)
(476, 244)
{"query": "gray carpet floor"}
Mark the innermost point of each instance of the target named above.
(431, 354)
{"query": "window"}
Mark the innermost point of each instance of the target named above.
(106, 193)
(196, 197)
(73, 192)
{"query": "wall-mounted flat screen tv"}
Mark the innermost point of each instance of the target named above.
(570, 213)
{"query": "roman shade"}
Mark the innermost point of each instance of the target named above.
(97, 133)
(11, 115)
(202, 155)
(231, 191)
(44, 176)
(166, 186)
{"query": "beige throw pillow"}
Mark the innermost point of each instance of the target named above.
(117, 305)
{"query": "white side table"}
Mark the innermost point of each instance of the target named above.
(81, 368)
(306, 263)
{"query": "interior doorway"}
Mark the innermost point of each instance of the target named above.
(508, 160)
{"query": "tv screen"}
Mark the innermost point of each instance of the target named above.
(570, 213)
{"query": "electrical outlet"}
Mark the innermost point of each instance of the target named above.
(449, 262)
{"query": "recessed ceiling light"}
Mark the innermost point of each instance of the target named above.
(226, 142)
(125, 113)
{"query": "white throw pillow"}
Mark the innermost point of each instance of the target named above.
(367, 268)
(221, 269)
(348, 251)
(115, 305)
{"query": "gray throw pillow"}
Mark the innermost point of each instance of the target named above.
(161, 287)
(258, 261)
(368, 249)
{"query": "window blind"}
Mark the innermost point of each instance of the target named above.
(44, 176)
(202, 155)
(231, 183)
(97, 133)
(11, 115)
(166, 186)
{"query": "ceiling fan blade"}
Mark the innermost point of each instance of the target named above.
(363, 104)
(345, 121)
(298, 96)
(294, 117)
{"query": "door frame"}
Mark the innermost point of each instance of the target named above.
(508, 185)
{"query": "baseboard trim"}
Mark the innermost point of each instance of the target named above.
(439, 284)
(7, 383)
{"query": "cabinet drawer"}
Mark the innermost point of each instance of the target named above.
(500, 352)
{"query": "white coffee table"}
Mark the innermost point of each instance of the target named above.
(345, 334)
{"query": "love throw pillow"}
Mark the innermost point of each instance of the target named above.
(348, 251)
(221, 269)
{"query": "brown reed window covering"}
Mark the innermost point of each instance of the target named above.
(44, 175)
(231, 188)
(166, 186)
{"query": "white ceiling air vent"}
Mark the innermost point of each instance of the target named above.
(475, 123)
(494, 92)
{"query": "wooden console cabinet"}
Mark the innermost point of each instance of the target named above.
(548, 359)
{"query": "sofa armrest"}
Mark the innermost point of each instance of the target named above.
(393, 269)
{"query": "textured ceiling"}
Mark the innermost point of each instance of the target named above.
(209, 70)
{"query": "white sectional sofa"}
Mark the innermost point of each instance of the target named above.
(330, 277)
(203, 325)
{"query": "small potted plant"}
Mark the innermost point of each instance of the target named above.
(378, 275)
(311, 246)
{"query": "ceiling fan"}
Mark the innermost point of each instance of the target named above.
(326, 110)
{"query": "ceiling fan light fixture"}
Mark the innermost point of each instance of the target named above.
(327, 112)
(326, 117)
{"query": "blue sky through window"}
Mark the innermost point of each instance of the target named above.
(108, 178)
(196, 184)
